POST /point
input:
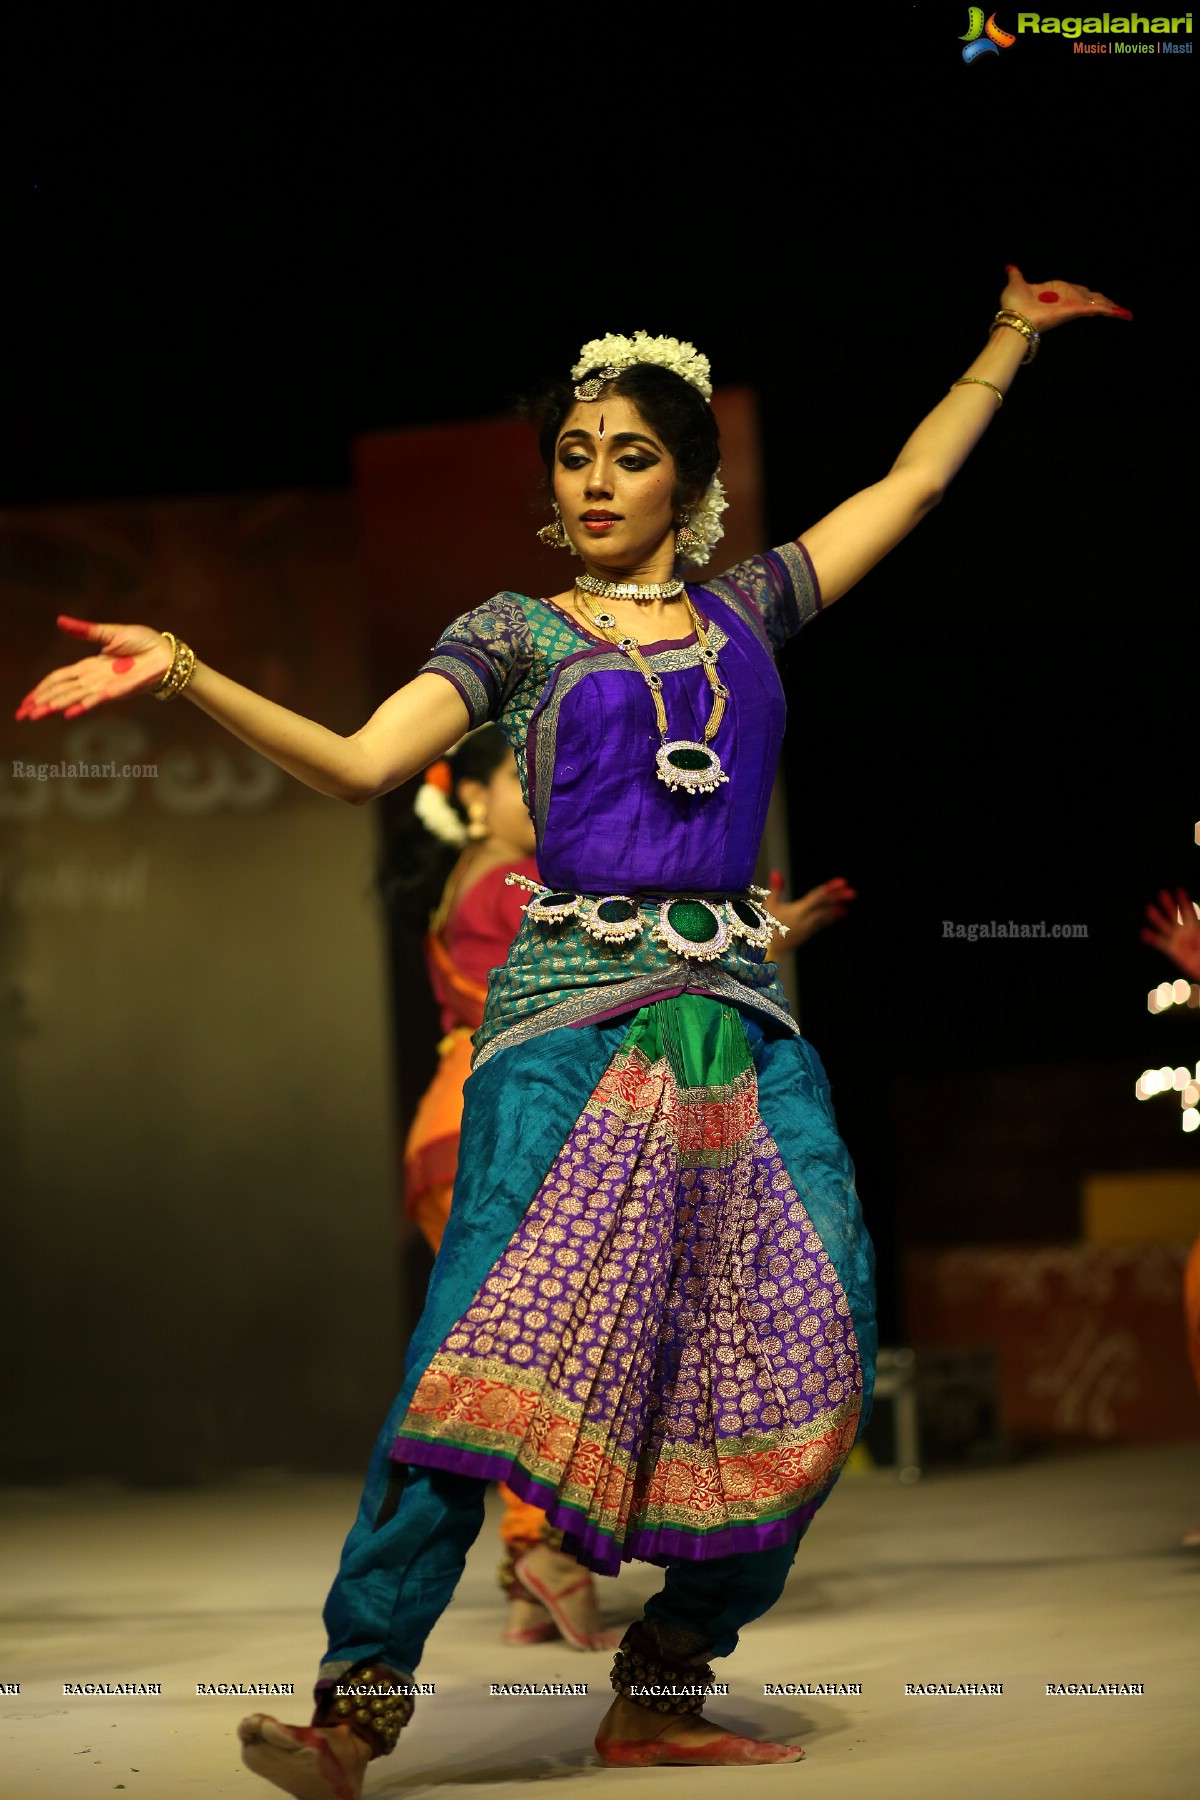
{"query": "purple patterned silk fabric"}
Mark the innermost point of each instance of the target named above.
(663, 1356)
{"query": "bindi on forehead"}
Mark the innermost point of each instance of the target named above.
(601, 424)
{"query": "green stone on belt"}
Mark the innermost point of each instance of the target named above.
(690, 759)
(693, 921)
(616, 912)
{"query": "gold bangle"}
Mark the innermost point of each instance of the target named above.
(180, 670)
(979, 381)
(1018, 322)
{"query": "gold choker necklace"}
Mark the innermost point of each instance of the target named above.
(629, 590)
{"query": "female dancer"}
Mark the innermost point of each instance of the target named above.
(469, 830)
(653, 1310)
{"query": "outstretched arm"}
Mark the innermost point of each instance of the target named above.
(412, 728)
(850, 540)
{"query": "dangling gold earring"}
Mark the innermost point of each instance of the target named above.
(554, 535)
(685, 537)
(477, 821)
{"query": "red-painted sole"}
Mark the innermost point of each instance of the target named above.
(722, 1753)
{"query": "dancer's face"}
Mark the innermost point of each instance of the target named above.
(614, 479)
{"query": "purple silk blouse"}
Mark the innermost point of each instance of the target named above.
(581, 718)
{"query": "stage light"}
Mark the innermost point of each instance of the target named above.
(1181, 989)
(1191, 1119)
(1190, 1095)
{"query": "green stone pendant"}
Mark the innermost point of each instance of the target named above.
(692, 928)
(694, 767)
(550, 908)
(753, 924)
(614, 919)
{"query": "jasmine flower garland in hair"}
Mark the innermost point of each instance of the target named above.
(705, 521)
(617, 352)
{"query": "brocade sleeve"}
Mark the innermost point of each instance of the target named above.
(779, 589)
(484, 653)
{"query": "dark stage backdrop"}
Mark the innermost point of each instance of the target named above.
(196, 1075)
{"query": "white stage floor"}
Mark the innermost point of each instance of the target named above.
(1056, 1571)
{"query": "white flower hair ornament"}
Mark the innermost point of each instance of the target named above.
(704, 520)
(609, 355)
(432, 806)
(606, 357)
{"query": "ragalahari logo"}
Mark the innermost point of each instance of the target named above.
(983, 39)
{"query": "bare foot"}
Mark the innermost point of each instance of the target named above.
(567, 1592)
(528, 1623)
(638, 1736)
(307, 1761)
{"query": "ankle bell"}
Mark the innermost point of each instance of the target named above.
(374, 1700)
(641, 1674)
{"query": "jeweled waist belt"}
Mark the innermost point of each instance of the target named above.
(698, 926)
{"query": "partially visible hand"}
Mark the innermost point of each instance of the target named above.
(1049, 303)
(821, 906)
(129, 659)
(1176, 930)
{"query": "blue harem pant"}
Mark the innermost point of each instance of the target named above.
(421, 1512)
(395, 1584)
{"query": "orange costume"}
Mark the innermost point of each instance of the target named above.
(472, 938)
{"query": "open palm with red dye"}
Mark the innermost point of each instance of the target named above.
(1049, 303)
(1175, 930)
(812, 912)
(129, 659)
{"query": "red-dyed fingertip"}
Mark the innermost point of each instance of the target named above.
(775, 881)
(74, 627)
(1121, 312)
(72, 712)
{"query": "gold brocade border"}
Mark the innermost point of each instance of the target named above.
(743, 1479)
(457, 667)
(708, 1127)
(585, 1003)
(729, 596)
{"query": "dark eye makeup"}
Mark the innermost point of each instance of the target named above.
(633, 460)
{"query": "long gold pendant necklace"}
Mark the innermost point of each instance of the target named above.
(686, 763)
